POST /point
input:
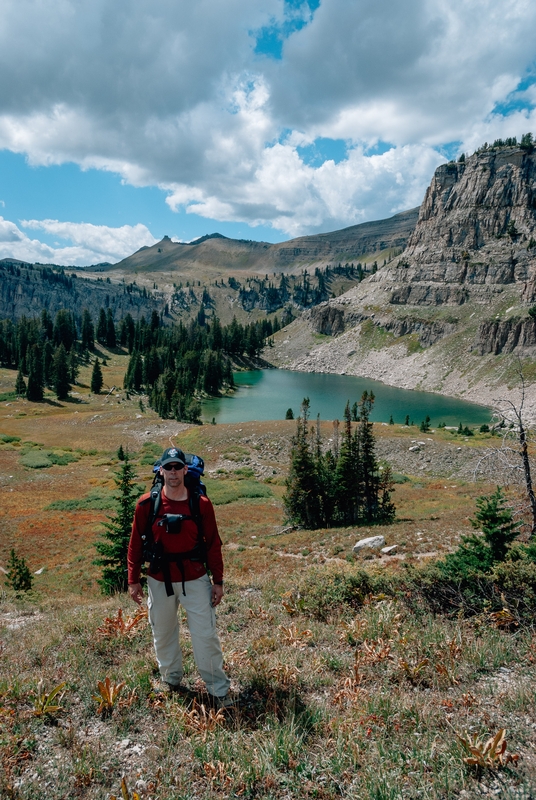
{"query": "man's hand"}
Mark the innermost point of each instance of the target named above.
(217, 594)
(136, 592)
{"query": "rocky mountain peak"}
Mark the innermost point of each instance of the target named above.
(475, 232)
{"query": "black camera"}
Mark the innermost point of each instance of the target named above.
(173, 522)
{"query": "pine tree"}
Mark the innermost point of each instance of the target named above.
(495, 520)
(151, 367)
(87, 334)
(134, 375)
(18, 576)
(369, 475)
(34, 388)
(101, 327)
(20, 385)
(62, 386)
(113, 544)
(479, 552)
(302, 499)
(64, 329)
(72, 364)
(348, 498)
(110, 330)
(96, 378)
(48, 363)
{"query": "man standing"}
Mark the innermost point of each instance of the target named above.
(180, 576)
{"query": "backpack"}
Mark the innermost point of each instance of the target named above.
(153, 552)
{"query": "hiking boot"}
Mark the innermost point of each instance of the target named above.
(163, 687)
(228, 700)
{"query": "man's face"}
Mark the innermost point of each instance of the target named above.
(173, 474)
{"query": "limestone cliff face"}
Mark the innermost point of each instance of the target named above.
(475, 233)
(505, 336)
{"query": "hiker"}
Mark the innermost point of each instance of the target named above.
(180, 541)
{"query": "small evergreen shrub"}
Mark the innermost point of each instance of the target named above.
(478, 553)
(19, 578)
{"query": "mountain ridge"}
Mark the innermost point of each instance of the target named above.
(217, 252)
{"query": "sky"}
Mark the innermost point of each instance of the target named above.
(122, 121)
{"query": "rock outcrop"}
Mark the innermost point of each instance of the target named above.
(475, 233)
(505, 336)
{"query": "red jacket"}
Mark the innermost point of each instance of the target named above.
(176, 543)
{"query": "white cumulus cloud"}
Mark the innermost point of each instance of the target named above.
(172, 93)
(85, 244)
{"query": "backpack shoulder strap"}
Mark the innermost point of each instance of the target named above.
(155, 498)
(195, 510)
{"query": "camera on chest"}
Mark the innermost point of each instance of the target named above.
(173, 522)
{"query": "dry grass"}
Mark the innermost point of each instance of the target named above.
(364, 702)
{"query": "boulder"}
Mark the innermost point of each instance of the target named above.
(388, 551)
(370, 543)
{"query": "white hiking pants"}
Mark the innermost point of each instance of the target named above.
(201, 624)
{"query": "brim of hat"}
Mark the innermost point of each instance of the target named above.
(172, 461)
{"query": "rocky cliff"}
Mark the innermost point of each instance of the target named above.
(27, 289)
(450, 312)
(475, 232)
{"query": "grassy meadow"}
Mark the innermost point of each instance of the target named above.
(353, 682)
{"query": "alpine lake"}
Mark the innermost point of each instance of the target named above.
(268, 394)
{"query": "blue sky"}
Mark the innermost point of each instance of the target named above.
(128, 120)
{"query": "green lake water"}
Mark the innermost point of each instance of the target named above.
(267, 394)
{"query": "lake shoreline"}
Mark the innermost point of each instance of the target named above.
(268, 394)
(471, 380)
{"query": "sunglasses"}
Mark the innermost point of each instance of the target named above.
(176, 467)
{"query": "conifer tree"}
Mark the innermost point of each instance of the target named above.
(96, 378)
(64, 329)
(18, 576)
(20, 385)
(72, 365)
(369, 474)
(134, 375)
(348, 497)
(113, 544)
(48, 363)
(495, 520)
(302, 498)
(87, 333)
(47, 324)
(344, 485)
(110, 329)
(34, 388)
(102, 327)
(62, 386)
